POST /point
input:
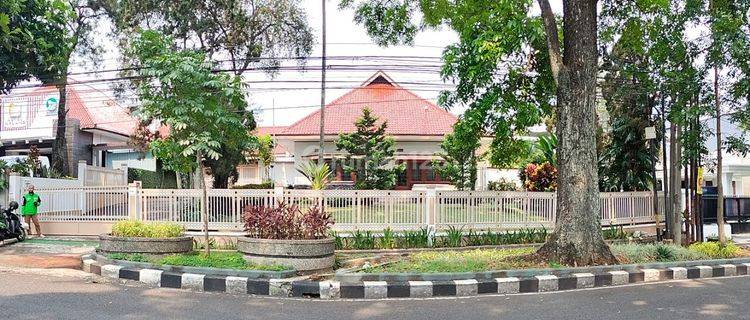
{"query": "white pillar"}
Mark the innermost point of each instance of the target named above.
(124, 168)
(82, 172)
(134, 192)
(726, 182)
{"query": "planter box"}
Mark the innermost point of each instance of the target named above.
(109, 243)
(306, 256)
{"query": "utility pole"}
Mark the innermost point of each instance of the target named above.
(676, 180)
(664, 164)
(322, 88)
(719, 184)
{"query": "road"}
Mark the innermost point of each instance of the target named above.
(49, 297)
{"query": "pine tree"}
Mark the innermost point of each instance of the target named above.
(370, 153)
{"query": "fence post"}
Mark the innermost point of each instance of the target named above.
(430, 206)
(82, 172)
(15, 186)
(124, 168)
(134, 197)
(278, 195)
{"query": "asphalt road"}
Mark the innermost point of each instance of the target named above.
(46, 297)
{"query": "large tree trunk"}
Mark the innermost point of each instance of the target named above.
(577, 239)
(204, 202)
(59, 147)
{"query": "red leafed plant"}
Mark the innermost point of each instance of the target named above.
(286, 222)
(539, 177)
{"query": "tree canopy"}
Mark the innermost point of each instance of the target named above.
(369, 153)
(242, 33)
(205, 111)
(32, 35)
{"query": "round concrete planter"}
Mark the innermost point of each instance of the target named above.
(109, 243)
(305, 256)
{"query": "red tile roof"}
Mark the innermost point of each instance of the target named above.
(272, 130)
(406, 113)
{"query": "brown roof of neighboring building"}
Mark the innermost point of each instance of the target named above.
(406, 112)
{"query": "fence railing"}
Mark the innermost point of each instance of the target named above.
(351, 209)
(100, 204)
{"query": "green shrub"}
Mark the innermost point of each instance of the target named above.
(159, 179)
(136, 257)
(388, 240)
(263, 185)
(503, 185)
(615, 233)
(643, 253)
(716, 250)
(664, 253)
(139, 229)
(223, 260)
(362, 240)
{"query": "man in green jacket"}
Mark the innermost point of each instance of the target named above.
(29, 208)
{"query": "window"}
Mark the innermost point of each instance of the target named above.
(429, 171)
(401, 178)
(416, 172)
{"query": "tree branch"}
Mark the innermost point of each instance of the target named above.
(553, 42)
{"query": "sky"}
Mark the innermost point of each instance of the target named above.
(279, 103)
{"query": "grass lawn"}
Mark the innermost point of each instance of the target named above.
(221, 260)
(493, 259)
(456, 261)
(72, 243)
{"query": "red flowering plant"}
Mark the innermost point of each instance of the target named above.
(286, 222)
(539, 177)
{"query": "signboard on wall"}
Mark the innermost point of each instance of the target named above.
(29, 116)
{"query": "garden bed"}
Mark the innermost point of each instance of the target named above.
(499, 263)
(224, 263)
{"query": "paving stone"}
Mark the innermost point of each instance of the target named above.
(469, 287)
(192, 281)
(620, 277)
(111, 271)
(376, 289)
(420, 289)
(547, 283)
(236, 285)
(705, 271)
(330, 289)
(679, 273)
(508, 285)
(150, 277)
(650, 275)
(584, 280)
(279, 288)
(729, 270)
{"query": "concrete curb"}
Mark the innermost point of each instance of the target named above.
(301, 287)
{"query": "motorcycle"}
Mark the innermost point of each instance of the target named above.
(11, 225)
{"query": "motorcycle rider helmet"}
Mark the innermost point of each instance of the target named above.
(13, 205)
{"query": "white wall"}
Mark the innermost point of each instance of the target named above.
(486, 175)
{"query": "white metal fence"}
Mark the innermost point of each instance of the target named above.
(84, 204)
(351, 209)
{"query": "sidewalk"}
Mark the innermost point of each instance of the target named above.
(48, 253)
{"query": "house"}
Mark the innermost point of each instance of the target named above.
(416, 124)
(97, 127)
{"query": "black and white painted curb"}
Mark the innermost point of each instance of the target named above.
(407, 289)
